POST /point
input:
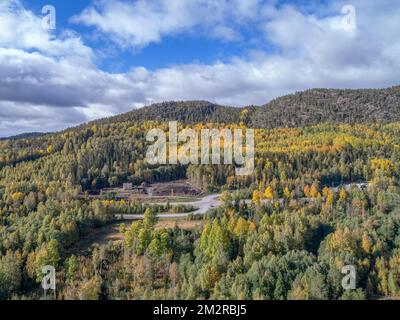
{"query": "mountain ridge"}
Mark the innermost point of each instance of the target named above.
(299, 109)
(314, 106)
(25, 135)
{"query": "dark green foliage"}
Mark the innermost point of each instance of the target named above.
(289, 247)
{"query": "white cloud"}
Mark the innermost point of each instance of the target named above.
(21, 29)
(135, 24)
(48, 83)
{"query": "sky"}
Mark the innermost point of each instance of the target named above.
(105, 57)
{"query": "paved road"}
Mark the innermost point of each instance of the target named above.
(212, 201)
(202, 206)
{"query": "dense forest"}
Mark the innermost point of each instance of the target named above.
(334, 106)
(290, 242)
(305, 108)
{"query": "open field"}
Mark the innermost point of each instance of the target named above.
(103, 235)
(180, 223)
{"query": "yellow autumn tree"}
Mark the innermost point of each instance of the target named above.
(342, 195)
(269, 193)
(287, 193)
(17, 196)
(325, 192)
(241, 228)
(329, 197)
(385, 165)
(314, 192)
(307, 191)
(256, 197)
(366, 243)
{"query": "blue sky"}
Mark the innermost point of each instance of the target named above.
(183, 48)
(172, 50)
(110, 56)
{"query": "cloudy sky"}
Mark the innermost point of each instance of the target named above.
(108, 56)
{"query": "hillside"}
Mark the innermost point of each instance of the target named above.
(57, 189)
(182, 111)
(329, 105)
(310, 107)
(299, 109)
(26, 135)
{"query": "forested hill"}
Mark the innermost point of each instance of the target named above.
(26, 135)
(300, 109)
(329, 105)
(182, 111)
(54, 191)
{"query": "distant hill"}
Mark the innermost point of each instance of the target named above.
(329, 105)
(183, 111)
(299, 109)
(26, 135)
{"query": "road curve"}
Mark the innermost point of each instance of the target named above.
(202, 206)
(212, 201)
